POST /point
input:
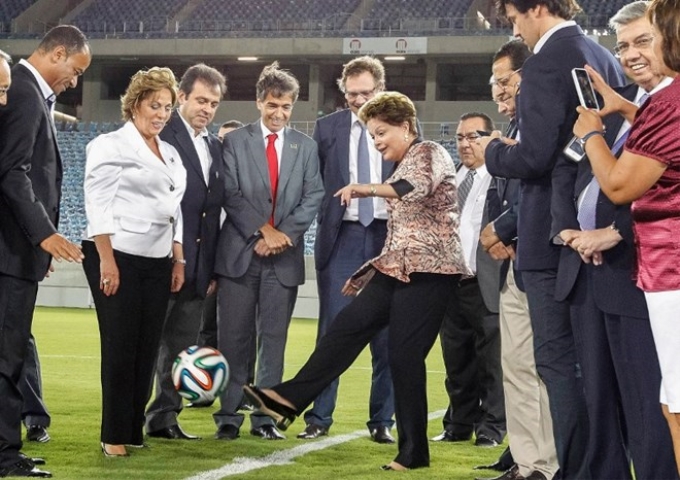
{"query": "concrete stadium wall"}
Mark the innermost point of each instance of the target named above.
(67, 287)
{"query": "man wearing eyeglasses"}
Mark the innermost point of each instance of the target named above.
(469, 333)
(348, 236)
(546, 110)
(614, 340)
(5, 76)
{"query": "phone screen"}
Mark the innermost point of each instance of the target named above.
(586, 93)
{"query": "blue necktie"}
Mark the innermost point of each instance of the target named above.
(587, 211)
(364, 176)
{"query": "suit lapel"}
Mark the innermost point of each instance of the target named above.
(257, 154)
(215, 149)
(185, 145)
(342, 140)
(145, 154)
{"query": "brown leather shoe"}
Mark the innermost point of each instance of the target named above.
(511, 474)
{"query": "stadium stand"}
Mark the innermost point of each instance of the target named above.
(9, 10)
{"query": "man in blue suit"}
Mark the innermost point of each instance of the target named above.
(613, 336)
(200, 92)
(546, 111)
(344, 242)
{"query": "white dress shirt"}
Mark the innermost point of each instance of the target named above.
(379, 206)
(473, 210)
(201, 145)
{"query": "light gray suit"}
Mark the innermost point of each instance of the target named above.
(256, 295)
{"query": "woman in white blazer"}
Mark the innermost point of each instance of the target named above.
(134, 184)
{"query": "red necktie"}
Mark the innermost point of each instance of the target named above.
(273, 163)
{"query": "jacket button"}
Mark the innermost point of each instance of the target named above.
(204, 214)
(172, 219)
(172, 188)
(198, 240)
(505, 202)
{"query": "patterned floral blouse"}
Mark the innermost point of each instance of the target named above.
(422, 227)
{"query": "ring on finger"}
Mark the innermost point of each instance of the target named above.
(106, 281)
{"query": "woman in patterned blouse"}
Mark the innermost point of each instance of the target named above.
(648, 174)
(405, 287)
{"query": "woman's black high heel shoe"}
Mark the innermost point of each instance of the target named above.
(282, 414)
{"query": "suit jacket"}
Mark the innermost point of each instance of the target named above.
(614, 289)
(546, 112)
(332, 134)
(488, 269)
(201, 204)
(30, 178)
(132, 195)
(248, 201)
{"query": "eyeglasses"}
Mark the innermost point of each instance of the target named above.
(470, 137)
(502, 99)
(641, 43)
(504, 81)
(3, 91)
(367, 95)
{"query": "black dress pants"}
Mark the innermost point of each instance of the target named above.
(414, 313)
(130, 326)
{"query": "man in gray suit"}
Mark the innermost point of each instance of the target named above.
(470, 333)
(273, 191)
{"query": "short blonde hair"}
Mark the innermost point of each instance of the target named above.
(145, 83)
(393, 108)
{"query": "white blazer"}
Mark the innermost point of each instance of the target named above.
(133, 196)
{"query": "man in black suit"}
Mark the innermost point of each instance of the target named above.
(30, 190)
(344, 243)
(546, 111)
(200, 92)
(529, 422)
(469, 334)
(613, 336)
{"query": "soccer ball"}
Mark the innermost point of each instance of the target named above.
(200, 373)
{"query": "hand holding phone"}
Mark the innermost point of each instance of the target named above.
(584, 88)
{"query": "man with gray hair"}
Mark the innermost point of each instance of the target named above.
(613, 336)
(273, 191)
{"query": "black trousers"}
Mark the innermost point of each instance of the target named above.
(130, 325)
(17, 302)
(414, 312)
(471, 346)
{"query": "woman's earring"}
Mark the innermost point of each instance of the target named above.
(406, 137)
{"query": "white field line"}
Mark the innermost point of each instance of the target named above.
(241, 465)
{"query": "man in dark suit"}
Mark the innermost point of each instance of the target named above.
(273, 190)
(200, 92)
(30, 190)
(527, 408)
(611, 326)
(546, 111)
(470, 334)
(344, 242)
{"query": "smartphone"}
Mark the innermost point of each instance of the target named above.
(584, 88)
(574, 150)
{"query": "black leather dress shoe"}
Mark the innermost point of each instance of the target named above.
(24, 468)
(173, 432)
(37, 433)
(37, 460)
(313, 431)
(447, 436)
(510, 474)
(536, 475)
(485, 442)
(498, 466)
(282, 414)
(200, 404)
(227, 432)
(382, 435)
(268, 432)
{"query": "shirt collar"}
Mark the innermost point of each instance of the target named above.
(46, 90)
(190, 129)
(665, 81)
(266, 132)
(546, 36)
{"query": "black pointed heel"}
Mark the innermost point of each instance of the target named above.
(282, 414)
